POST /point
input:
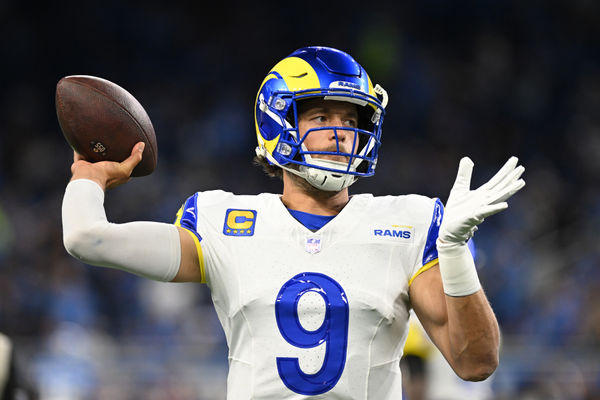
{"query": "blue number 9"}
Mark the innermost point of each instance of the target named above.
(333, 332)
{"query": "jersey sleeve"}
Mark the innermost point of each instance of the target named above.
(429, 256)
(187, 218)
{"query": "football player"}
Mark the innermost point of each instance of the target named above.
(312, 286)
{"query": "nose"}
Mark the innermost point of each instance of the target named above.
(339, 133)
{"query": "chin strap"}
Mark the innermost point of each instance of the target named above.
(326, 180)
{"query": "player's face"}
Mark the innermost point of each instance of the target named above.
(317, 113)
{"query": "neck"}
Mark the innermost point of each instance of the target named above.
(301, 196)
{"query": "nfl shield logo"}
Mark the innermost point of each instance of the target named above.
(313, 245)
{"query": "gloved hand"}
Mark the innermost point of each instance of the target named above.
(465, 209)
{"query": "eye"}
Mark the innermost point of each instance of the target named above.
(351, 122)
(319, 118)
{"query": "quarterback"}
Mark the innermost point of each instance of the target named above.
(313, 286)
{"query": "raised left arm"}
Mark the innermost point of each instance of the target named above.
(448, 298)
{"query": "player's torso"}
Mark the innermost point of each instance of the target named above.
(311, 314)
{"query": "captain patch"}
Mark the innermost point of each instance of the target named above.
(239, 222)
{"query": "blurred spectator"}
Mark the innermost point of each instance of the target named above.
(14, 382)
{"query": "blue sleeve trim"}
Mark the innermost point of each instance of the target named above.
(189, 217)
(471, 246)
(430, 252)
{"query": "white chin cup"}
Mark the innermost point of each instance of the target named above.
(328, 181)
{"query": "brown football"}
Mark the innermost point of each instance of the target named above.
(102, 121)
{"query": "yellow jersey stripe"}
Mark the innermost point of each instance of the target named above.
(423, 269)
(178, 217)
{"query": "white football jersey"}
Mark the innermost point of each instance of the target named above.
(320, 315)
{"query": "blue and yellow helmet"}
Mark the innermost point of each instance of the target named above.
(330, 74)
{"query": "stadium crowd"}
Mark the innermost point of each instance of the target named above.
(486, 79)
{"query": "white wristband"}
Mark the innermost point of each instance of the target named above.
(148, 249)
(457, 267)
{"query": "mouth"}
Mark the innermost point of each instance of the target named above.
(342, 159)
(333, 157)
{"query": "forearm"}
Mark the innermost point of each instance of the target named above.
(473, 333)
(473, 336)
(148, 249)
(463, 328)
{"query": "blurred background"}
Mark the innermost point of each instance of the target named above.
(487, 78)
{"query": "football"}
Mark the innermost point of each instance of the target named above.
(102, 121)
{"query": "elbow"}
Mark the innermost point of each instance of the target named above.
(480, 369)
(80, 244)
(74, 242)
(479, 373)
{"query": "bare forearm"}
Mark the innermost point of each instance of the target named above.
(474, 336)
(463, 328)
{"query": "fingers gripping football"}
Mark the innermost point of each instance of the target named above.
(466, 208)
(108, 174)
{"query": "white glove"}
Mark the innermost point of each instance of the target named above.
(465, 209)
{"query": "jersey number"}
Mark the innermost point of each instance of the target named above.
(333, 332)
